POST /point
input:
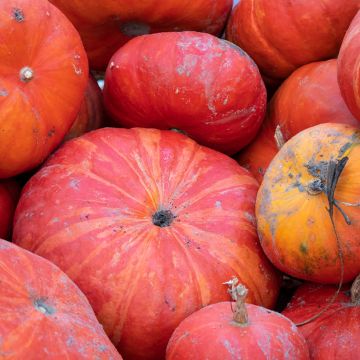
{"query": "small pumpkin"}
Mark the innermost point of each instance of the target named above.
(335, 334)
(251, 332)
(194, 82)
(43, 314)
(43, 75)
(282, 36)
(148, 224)
(9, 195)
(308, 97)
(107, 25)
(349, 67)
(91, 115)
(313, 178)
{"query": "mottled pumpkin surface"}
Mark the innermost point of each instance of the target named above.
(291, 209)
(43, 75)
(211, 334)
(204, 86)
(336, 333)
(149, 225)
(43, 314)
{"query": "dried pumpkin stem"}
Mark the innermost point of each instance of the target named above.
(335, 169)
(355, 291)
(279, 137)
(238, 293)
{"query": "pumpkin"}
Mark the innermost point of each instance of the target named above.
(43, 75)
(148, 224)
(252, 332)
(194, 82)
(9, 195)
(107, 25)
(281, 35)
(43, 313)
(308, 97)
(349, 67)
(335, 334)
(313, 178)
(91, 114)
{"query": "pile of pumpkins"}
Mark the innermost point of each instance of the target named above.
(174, 213)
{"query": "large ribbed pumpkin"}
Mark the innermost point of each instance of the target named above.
(43, 75)
(308, 97)
(149, 225)
(43, 314)
(195, 82)
(91, 115)
(335, 334)
(106, 25)
(9, 195)
(282, 35)
(292, 204)
(349, 67)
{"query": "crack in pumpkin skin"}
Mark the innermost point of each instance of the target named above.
(283, 212)
(106, 241)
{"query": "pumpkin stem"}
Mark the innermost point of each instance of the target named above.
(334, 170)
(355, 291)
(238, 293)
(279, 137)
(26, 74)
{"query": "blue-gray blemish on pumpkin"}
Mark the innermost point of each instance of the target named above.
(42, 305)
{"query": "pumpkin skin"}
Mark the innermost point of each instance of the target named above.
(211, 334)
(93, 209)
(349, 67)
(91, 114)
(293, 222)
(194, 82)
(107, 25)
(293, 109)
(9, 195)
(43, 313)
(339, 334)
(304, 31)
(43, 79)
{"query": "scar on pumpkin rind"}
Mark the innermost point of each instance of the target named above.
(18, 15)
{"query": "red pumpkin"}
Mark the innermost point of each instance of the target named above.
(349, 67)
(44, 315)
(9, 195)
(308, 97)
(106, 25)
(336, 333)
(191, 81)
(252, 333)
(148, 224)
(43, 75)
(91, 114)
(282, 36)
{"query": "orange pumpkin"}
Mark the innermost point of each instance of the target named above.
(106, 25)
(91, 115)
(349, 67)
(282, 35)
(43, 314)
(43, 75)
(308, 97)
(294, 224)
